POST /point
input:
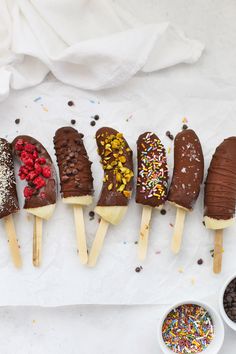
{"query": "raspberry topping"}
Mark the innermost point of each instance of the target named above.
(32, 170)
(28, 192)
(39, 182)
(46, 172)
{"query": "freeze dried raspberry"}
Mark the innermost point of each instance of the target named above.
(23, 170)
(43, 195)
(19, 145)
(41, 160)
(27, 158)
(39, 182)
(35, 154)
(31, 176)
(28, 192)
(30, 147)
(22, 176)
(46, 172)
(37, 168)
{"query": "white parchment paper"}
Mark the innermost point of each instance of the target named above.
(157, 103)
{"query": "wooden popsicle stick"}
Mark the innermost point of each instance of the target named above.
(12, 238)
(37, 241)
(178, 230)
(98, 242)
(218, 250)
(144, 232)
(80, 234)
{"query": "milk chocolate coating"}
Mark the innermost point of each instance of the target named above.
(73, 162)
(152, 176)
(114, 196)
(188, 169)
(8, 195)
(50, 189)
(220, 185)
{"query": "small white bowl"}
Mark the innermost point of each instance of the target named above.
(219, 332)
(227, 320)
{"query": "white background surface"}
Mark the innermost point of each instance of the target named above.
(106, 329)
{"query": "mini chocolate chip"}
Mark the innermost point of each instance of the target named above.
(73, 121)
(163, 212)
(200, 261)
(96, 117)
(171, 137)
(93, 123)
(168, 133)
(68, 171)
(17, 121)
(184, 127)
(74, 171)
(135, 242)
(203, 223)
(70, 103)
(91, 214)
(138, 269)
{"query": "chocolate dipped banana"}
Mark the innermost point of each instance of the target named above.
(76, 179)
(40, 192)
(152, 183)
(186, 181)
(8, 198)
(220, 195)
(117, 163)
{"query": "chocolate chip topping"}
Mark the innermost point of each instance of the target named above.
(47, 194)
(220, 185)
(188, 169)
(229, 300)
(116, 158)
(152, 171)
(73, 163)
(8, 196)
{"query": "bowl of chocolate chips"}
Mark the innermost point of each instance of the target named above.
(227, 302)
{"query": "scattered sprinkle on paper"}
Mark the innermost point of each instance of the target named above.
(91, 101)
(131, 116)
(169, 150)
(158, 252)
(34, 321)
(45, 109)
(180, 270)
(193, 281)
(37, 99)
(184, 120)
(171, 225)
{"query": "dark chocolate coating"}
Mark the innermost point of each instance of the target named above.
(73, 162)
(114, 191)
(8, 195)
(220, 185)
(152, 179)
(188, 169)
(50, 189)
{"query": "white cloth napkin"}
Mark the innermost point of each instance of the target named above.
(90, 44)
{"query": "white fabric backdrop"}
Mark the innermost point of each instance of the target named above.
(89, 44)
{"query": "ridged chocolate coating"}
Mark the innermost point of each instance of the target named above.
(73, 162)
(188, 169)
(220, 185)
(49, 191)
(114, 190)
(152, 176)
(8, 195)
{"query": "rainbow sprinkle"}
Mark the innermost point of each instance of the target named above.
(153, 172)
(188, 329)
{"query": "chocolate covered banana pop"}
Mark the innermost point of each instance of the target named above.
(220, 195)
(186, 181)
(41, 190)
(8, 198)
(116, 159)
(75, 178)
(152, 182)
